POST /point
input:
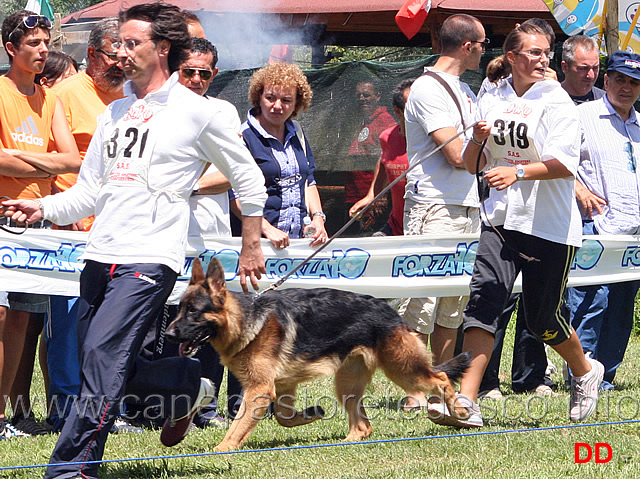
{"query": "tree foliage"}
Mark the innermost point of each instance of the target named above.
(63, 7)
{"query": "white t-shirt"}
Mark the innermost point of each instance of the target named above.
(139, 171)
(430, 108)
(210, 213)
(539, 126)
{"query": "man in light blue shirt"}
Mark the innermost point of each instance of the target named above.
(603, 315)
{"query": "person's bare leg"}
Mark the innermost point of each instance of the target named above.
(571, 352)
(443, 343)
(480, 343)
(416, 399)
(3, 394)
(21, 387)
(15, 330)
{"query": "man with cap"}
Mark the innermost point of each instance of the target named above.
(602, 315)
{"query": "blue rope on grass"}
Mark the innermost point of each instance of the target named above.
(317, 446)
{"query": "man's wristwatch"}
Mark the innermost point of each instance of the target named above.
(519, 173)
(196, 189)
(320, 214)
(37, 200)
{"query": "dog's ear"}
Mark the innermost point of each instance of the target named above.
(215, 276)
(197, 273)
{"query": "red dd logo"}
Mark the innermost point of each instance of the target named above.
(589, 452)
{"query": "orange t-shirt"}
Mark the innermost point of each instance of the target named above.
(25, 124)
(83, 103)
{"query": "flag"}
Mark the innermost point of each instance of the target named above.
(587, 17)
(578, 16)
(41, 7)
(412, 15)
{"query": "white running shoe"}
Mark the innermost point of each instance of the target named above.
(439, 413)
(584, 391)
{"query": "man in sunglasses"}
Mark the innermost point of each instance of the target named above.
(29, 117)
(602, 315)
(146, 155)
(440, 195)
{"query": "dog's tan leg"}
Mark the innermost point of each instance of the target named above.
(405, 360)
(255, 403)
(286, 413)
(351, 380)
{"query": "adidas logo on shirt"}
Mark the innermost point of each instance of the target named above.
(27, 133)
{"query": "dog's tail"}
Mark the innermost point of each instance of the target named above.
(455, 367)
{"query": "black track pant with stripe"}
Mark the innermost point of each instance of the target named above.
(543, 283)
(119, 305)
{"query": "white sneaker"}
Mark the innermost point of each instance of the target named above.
(494, 394)
(7, 431)
(542, 390)
(584, 391)
(439, 413)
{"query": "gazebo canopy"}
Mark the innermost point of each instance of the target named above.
(342, 21)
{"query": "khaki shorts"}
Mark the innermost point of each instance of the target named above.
(429, 218)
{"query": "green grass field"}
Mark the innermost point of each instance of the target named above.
(513, 444)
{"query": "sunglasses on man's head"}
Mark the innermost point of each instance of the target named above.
(33, 21)
(189, 73)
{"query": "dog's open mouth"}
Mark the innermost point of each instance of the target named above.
(190, 348)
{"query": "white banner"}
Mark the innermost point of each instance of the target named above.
(47, 261)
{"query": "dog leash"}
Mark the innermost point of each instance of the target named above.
(361, 213)
(7, 229)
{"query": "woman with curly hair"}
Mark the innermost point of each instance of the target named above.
(278, 93)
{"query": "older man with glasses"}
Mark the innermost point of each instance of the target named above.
(602, 315)
(440, 195)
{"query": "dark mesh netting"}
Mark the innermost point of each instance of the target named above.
(334, 123)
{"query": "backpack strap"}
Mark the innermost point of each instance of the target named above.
(447, 87)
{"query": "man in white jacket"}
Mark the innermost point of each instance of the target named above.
(144, 160)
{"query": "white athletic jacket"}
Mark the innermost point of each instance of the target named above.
(141, 166)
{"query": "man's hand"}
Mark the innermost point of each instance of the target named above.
(22, 211)
(588, 201)
(251, 262)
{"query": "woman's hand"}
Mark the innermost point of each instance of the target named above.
(320, 236)
(500, 177)
(481, 131)
(358, 205)
(279, 239)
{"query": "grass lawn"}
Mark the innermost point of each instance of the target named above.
(528, 450)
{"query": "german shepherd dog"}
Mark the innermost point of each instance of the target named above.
(279, 339)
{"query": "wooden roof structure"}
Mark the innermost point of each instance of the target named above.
(345, 22)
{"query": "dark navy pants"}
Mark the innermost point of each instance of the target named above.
(118, 306)
(602, 316)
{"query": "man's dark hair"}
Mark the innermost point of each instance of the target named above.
(204, 46)
(456, 30)
(167, 23)
(13, 28)
(190, 17)
(397, 95)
